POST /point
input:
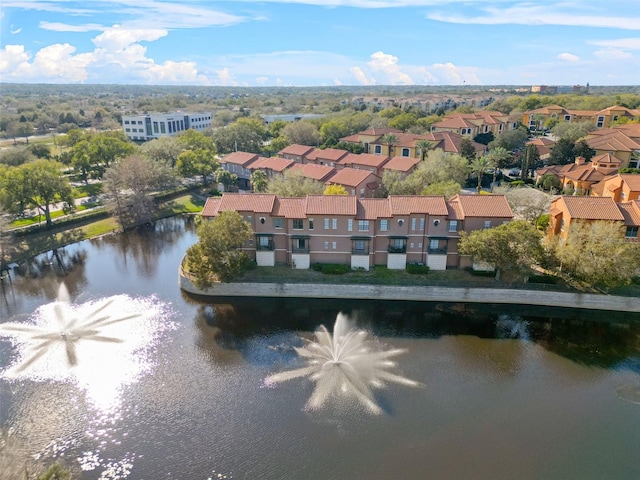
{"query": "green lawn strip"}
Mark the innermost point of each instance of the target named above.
(89, 190)
(184, 204)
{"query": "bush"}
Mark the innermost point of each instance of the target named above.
(331, 268)
(480, 273)
(543, 221)
(517, 183)
(548, 279)
(417, 268)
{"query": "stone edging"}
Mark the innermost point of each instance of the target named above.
(417, 293)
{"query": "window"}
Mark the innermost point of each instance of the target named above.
(334, 245)
(632, 232)
(162, 127)
(155, 127)
(434, 244)
(139, 122)
(126, 122)
(377, 149)
(249, 219)
(334, 223)
(278, 223)
(397, 245)
(298, 224)
(600, 122)
(384, 225)
(453, 225)
(127, 129)
(326, 224)
(311, 224)
(358, 245)
(362, 193)
(567, 118)
(413, 224)
(421, 224)
(487, 224)
(265, 243)
(326, 245)
(405, 152)
(350, 224)
(363, 225)
(300, 245)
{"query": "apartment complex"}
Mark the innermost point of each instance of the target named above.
(156, 125)
(361, 232)
(621, 141)
(473, 124)
(536, 119)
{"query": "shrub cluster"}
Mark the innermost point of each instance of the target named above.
(331, 268)
(548, 279)
(417, 268)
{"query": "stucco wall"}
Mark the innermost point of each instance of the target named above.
(396, 261)
(360, 261)
(265, 258)
(437, 262)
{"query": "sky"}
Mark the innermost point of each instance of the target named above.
(320, 42)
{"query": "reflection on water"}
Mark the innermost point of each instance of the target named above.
(516, 392)
(346, 364)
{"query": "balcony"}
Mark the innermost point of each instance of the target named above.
(437, 251)
(393, 249)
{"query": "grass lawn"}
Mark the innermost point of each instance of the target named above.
(89, 190)
(185, 204)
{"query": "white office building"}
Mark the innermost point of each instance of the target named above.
(156, 125)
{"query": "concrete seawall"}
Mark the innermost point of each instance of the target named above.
(414, 293)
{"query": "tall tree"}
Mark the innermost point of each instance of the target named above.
(302, 133)
(424, 146)
(129, 186)
(237, 138)
(389, 139)
(597, 253)
(217, 255)
(259, 181)
(562, 153)
(479, 166)
(37, 184)
(164, 150)
(294, 184)
(226, 178)
(197, 162)
(512, 247)
(499, 158)
(530, 161)
(467, 150)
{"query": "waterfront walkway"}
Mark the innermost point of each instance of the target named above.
(419, 293)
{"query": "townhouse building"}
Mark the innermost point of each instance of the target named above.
(621, 187)
(472, 124)
(295, 152)
(271, 166)
(155, 125)
(364, 161)
(536, 119)
(402, 165)
(321, 173)
(238, 163)
(361, 232)
(581, 175)
(622, 141)
(361, 183)
(567, 210)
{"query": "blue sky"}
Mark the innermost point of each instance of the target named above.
(321, 42)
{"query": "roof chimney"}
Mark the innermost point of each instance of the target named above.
(580, 161)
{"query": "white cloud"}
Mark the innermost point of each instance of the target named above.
(117, 38)
(225, 78)
(361, 77)
(568, 57)
(11, 57)
(15, 65)
(539, 14)
(388, 65)
(262, 80)
(612, 54)
(450, 74)
(623, 43)
(337, 82)
(14, 31)
(63, 27)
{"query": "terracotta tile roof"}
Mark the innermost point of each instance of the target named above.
(484, 206)
(454, 211)
(406, 205)
(606, 159)
(253, 202)
(351, 138)
(615, 140)
(632, 181)
(350, 177)
(330, 154)
(541, 141)
(631, 213)
(379, 131)
(403, 164)
(211, 206)
(316, 172)
(295, 149)
(454, 122)
(373, 208)
(290, 208)
(584, 173)
(332, 205)
(239, 158)
(276, 164)
(367, 159)
(591, 208)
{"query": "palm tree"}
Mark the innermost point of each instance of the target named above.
(424, 146)
(479, 166)
(499, 157)
(389, 139)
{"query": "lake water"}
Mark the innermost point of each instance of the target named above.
(178, 391)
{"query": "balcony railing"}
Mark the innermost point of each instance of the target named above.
(359, 252)
(267, 247)
(397, 249)
(437, 251)
(300, 249)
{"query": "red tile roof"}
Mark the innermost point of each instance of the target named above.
(380, 131)
(211, 206)
(275, 164)
(631, 213)
(407, 205)
(295, 149)
(329, 154)
(253, 202)
(484, 206)
(239, 158)
(332, 205)
(290, 208)
(350, 177)
(316, 172)
(373, 208)
(402, 164)
(591, 208)
(367, 159)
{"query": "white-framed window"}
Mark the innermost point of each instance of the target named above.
(413, 224)
(326, 224)
(600, 122)
(363, 225)
(334, 224)
(384, 225)
(453, 225)
(298, 224)
(350, 224)
(487, 224)
(278, 223)
(421, 224)
(263, 241)
(326, 245)
(377, 149)
(405, 152)
(334, 245)
(434, 244)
